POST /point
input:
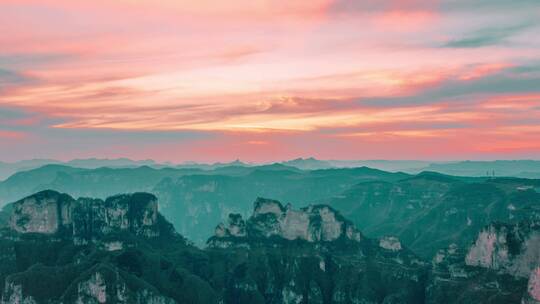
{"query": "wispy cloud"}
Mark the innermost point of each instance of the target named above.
(487, 37)
(465, 87)
(269, 79)
(12, 78)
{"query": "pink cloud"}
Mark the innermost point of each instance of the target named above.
(405, 20)
(267, 78)
(11, 134)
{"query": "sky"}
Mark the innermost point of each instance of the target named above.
(264, 80)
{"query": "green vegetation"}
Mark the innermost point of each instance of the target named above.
(429, 212)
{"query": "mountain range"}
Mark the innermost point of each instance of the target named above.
(410, 238)
(509, 168)
(57, 249)
(422, 209)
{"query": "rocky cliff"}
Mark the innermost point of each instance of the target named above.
(56, 249)
(84, 219)
(313, 255)
(99, 284)
(533, 288)
(44, 212)
(59, 250)
(270, 219)
(501, 265)
(512, 249)
(117, 251)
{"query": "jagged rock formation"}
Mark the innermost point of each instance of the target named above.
(512, 249)
(313, 255)
(270, 218)
(500, 266)
(60, 250)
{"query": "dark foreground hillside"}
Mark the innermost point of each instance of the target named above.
(55, 249)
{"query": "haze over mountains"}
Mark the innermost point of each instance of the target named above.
(516, 168)
(420, 208)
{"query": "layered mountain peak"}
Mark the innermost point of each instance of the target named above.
(49, 212)
(270, 219)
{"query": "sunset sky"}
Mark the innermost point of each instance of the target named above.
(262, 80)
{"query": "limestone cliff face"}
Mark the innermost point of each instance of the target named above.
(512, 249)
(49, 212)
(451, 280)
(502, 262)
(270, 218)
(136, 213)
(105, 285)
(57, 250)
(312, 255)
(44, 212)
(533, 288)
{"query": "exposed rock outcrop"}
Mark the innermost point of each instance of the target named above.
(85, 219)
(106, 285)
(512, 249)
(313, 255)
(13, 294)
(501, 265)
(60, 250)
(120, 250)
(391, 243)
(533, 288)
(318, 223)
(44, 212)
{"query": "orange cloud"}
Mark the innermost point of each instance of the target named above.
(482, 70)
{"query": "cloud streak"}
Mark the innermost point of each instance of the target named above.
(487, 37)
(269, 79)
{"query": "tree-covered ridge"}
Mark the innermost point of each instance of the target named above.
(279, 254)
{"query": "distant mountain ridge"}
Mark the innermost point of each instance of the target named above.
(515, 168)
(497, 168)
(8, 169)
